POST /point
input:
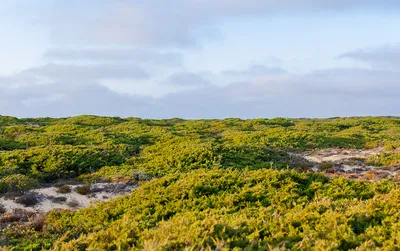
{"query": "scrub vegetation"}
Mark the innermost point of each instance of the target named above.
(227, 184)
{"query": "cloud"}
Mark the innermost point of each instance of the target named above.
(61, 99)
(323, 93)
(348, 82)
(229, 6)
(326, 93)
(116, 55)
(132, 23)
(387, 55)
(186, 79)
(179, 23)
(255, 70)
(123, 41)
(86, 72)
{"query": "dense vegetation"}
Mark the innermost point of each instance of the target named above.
(215, 184)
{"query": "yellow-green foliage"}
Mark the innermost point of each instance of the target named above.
(215, 184)
(254, 209)
(60, 161)
(16, 183)
(385, 159)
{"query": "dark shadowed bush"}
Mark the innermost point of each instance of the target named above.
(84, 189)
(64, 189)
(16, 183)
(2, 209)
(28, 200)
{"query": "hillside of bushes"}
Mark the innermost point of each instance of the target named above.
(210, 184)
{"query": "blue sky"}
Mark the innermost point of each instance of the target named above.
(200, 58)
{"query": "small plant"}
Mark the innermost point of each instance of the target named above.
(17, 215)
(28, 200)
(57, 199)
(73, 203)
(300, 163)
(64, 189)
(16, 183)
(2, 209)
(38, 223)
(83, 190)
(354, 162)
(323, 166)
(61, 183)
(370, 175)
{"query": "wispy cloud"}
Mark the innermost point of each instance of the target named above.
(255, 70)
(116, 55)
(386, 55)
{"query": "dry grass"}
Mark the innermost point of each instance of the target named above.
(64, 189)
(2, 209)
(326, 165)
(73, 203)
(83, 190)
(28, 200)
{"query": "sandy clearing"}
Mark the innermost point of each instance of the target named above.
(334, 155)
(106, 192)
(344, 162)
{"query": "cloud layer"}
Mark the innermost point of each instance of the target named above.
(178, 23)
(145, 45)
(331, 92)
(386, 55)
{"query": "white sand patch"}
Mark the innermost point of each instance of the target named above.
(101, 192)
(334, 155)
(347, 162)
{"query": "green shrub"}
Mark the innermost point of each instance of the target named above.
(83, 190)
(28, 200)
(16, 183)
(51, 163)
(217, 183)
(326, 165)
(64, 189)
(73, 203)
(2, 209)
(236, 209)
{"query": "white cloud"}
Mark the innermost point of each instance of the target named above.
(256, 70)
(116, 55)
(326, 93)
(124, 42)
(62, 99)
(86, 72)
(186, 79)
(385, 55)
(177, 23)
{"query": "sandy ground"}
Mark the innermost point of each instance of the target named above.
(101, 192)
(347, 162)
(335, 155)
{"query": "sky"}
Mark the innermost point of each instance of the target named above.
(200, 58)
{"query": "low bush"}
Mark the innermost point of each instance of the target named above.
(84, 189)
(326, 165)
(28, 200)
(59, 199)
(16, 183)
(210, 184)
(235, 210)
(17, 215)
(64, 189)
(60, 183)
(2, 209)
(73, 203)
